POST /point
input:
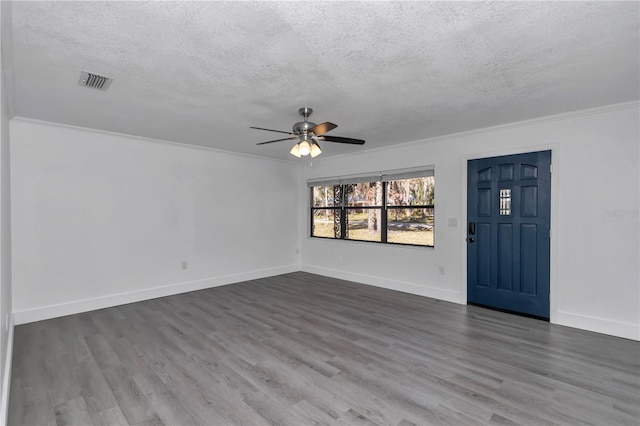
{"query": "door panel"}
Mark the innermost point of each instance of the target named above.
(484, 255)
(484, 202)
(509, 208)
(505, 256)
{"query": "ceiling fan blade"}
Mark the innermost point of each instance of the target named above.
(278, 140)
(342, 140)
(322, 128)
(270, 130)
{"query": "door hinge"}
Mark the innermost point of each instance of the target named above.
(549, 233)
(550, 168)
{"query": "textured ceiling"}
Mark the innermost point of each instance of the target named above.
(201, 73)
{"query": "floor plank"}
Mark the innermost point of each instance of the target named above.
(301, 349)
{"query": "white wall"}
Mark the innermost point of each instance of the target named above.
(101, 219)
(6, 326)
(595, 191)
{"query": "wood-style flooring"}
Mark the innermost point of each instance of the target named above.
(301, 349)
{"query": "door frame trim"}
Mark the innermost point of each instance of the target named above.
(555, 231)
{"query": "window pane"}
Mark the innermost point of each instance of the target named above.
(410, 226)
(364, 224)
(323, 223)
(505, 202)
(323, 196)
(411, 192)
(364, 194)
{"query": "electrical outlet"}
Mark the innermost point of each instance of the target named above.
(452, 222)
(185, 264)
(441, 270)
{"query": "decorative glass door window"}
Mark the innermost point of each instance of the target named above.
(505, 202)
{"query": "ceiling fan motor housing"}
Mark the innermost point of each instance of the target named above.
(302, 127)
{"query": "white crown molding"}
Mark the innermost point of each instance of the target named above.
(145, 139)
(515, 124)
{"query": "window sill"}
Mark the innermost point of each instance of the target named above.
(374, 243)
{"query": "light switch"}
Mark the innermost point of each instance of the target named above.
(453, 222)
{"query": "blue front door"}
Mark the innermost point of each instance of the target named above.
(508, 232)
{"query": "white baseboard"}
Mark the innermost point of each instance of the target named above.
(6, 382)
(78, 306)
(405, 287)
(599, 325)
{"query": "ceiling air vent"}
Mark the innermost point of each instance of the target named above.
(94, 81)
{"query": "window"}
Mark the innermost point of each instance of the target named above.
(410, 211)
(325, 211)
(394, 208)
(363, 211)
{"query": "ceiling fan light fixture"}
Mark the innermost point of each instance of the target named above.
(315, 150)
(304, 147)
(295, 151)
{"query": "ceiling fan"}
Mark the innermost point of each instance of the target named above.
(308, 134)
